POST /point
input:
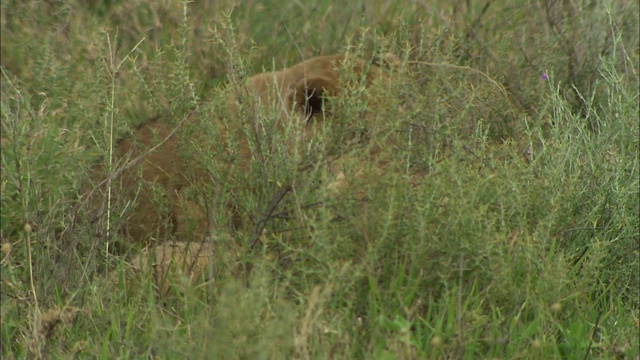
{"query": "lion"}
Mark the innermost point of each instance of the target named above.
(152, 175)
(150, 154)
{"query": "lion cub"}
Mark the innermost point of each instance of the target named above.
(153, 177)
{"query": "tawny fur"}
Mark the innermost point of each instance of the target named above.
(192, 260)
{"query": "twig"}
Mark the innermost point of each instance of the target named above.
(267, 214)
(459, 299)
(475, 71)
(595, 328)
(111, 112)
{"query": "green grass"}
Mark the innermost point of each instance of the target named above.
(506, 225)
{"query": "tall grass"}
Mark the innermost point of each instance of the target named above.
(504, 224)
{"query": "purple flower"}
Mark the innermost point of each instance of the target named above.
(544, 76)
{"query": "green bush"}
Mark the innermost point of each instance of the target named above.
(504, 226)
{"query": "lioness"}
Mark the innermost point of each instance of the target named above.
(150, 168)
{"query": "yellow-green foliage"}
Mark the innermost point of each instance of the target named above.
(486, 208)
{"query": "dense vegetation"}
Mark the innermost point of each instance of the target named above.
(505, 226)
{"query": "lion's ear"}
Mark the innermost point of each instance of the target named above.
(309, 95)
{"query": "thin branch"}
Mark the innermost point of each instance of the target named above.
(268, 214)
